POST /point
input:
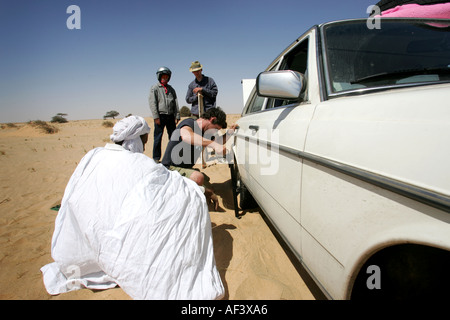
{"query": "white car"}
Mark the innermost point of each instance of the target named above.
(344, 143)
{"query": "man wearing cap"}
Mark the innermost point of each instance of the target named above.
(201, 84)
(164, 107)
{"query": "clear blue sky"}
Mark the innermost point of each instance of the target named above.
(111, 62)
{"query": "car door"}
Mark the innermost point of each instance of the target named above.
(271, 132)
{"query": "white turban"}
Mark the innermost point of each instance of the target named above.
(129, 130)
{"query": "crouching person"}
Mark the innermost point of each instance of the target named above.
(125, 220)
(185, 146)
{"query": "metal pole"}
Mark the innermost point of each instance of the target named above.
(201, 110)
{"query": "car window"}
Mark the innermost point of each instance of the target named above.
(296, 60)
(256, 104)
(413, 52)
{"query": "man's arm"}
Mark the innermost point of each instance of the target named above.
(190, 96)
(210, 90)
(177, 109)
(228, 134)
(190, 137)
(153, 102)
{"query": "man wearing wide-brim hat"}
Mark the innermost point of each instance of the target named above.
(201, 84)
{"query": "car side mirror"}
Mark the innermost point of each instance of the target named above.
(286, 84)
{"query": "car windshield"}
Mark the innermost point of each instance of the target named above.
(401, 52)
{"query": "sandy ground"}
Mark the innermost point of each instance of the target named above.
(35, 168)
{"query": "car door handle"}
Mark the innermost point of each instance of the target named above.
(253, 127)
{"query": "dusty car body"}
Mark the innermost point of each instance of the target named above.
(344, 143)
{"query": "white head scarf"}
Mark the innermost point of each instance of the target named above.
(129, 130)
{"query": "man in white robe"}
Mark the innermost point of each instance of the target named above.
(125, 220)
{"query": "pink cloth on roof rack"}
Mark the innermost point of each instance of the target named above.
(435, 11)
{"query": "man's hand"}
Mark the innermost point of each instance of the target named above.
(197, 90)
(211, 197)
(158, 121)
(232, 129)
(220, 149)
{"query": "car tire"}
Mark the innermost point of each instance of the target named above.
(406, 272)
(246, 200)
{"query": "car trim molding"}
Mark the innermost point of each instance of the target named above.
(422, 195)
(383, 88)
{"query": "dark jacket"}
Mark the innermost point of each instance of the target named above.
(209, 94)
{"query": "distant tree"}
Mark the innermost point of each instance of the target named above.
(59, 118)
(111, 114)
(185, 111)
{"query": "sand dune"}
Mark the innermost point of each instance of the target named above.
(35, 168)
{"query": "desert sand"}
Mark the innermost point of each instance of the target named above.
(35, 168)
